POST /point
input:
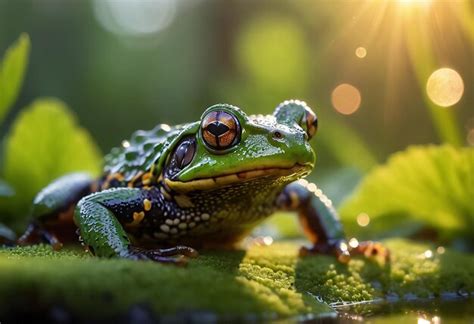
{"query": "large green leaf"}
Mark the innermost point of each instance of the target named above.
(45, 143)
(429, 185)
(12, 71)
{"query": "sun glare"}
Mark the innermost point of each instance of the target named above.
(415, 2)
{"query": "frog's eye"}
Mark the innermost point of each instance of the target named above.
(220, 130)
(181, 157)
(311, 122)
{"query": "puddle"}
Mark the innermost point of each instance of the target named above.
(455, 309)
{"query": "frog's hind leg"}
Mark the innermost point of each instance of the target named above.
(321, 223)
(53, 208)
(101, 218)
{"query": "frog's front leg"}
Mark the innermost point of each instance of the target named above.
(321, 223)
(99, 217)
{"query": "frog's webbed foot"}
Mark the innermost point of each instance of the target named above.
(177, 255)
(370, 249)
(35, 233)
(344, 251)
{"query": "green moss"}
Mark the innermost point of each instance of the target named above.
(259, 281)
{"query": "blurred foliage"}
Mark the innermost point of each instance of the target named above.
(12, 71)
(268, 62)
(45, 143)
(421, 54)
(432, 185)
(272, 54)
(254, 55)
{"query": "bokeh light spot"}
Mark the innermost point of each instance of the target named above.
(268, 240)
(346, 99)
(363, 219)
(361, 52)
(428, 254)
(353, 243)
(135, 18)
(445, 87)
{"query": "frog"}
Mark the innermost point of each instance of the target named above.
(167, 192)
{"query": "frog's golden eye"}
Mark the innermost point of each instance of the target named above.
(311, 122)
(220, 130)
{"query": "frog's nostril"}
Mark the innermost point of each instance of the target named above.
(277, 135)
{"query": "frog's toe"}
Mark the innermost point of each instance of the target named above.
(36, 233)
(371, 249)
(178, 250)
(178, 255)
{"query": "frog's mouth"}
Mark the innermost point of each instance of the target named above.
(296, 171)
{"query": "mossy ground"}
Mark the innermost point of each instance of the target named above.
(260, 281)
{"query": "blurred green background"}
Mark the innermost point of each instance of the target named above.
(125, 65)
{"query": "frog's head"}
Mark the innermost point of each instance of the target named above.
(230, 147)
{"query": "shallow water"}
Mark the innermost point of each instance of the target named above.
(451, 310)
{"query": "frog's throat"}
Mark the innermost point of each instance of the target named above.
(297, 170)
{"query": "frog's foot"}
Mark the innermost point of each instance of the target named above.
(339, 248)
(178, 255)
(370, 249)
(35, 233)
(343, 251)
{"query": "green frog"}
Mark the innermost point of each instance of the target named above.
(170, 190)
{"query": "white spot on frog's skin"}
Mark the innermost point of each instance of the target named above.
(174, 230)
(169, 222)
(197, 219)
(183, 225)
(205, 216)
(165, 228)
(125, 144)
(165, 127)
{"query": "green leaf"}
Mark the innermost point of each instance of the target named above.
(12, 71)
(45, 143)
(431, 185)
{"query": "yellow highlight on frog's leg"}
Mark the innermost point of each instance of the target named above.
(146, 204)
(137, 218)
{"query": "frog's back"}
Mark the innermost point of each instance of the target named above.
(139, 154)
